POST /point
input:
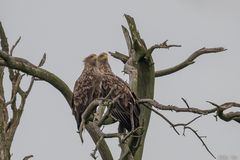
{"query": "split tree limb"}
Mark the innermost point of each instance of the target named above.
(188, 61)
(128, 39)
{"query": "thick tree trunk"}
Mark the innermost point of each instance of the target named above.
(145, 89)
(142, 78)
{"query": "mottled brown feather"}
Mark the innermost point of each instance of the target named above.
(87, 87)
(127, 100)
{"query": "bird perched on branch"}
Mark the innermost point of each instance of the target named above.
(87, 87)
(125, 109)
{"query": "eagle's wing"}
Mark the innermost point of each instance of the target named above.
(125, 104)
(86, 89)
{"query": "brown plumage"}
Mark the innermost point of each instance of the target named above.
(87, 87)
(126, 103)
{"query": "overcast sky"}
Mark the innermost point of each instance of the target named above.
(70, 30)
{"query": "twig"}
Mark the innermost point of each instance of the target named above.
(130, 133)
(41, 63)
(14, 46)
(43, 60)
(161, 115)
(200, 138)
(109, 135)
(110, 104)
(27, 157)
(15, 86)
(185, 101)
(100, 122)
(89, 110)
(186, 124)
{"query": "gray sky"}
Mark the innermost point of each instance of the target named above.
(70, 30)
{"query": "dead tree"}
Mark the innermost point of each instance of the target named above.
(138, 63)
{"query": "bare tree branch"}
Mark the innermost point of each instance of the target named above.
(227, 116)
(162, 45)
(185, 127)
(89, 110)
(163, 117)
(96, 135)
(175, 108)
(119, 56)
(188, 123)
(27, 67)
(219, 109)
(200, 138)
(188, 61)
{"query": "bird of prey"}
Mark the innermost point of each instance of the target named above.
(125, 109)
(87, 87)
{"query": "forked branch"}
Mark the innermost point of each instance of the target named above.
(162, 45)
(185, 126)
(176, 108)
(31, 69)
(230, 115)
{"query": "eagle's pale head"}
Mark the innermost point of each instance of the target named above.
(102, 58)
(91, 60)
(103, 65)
